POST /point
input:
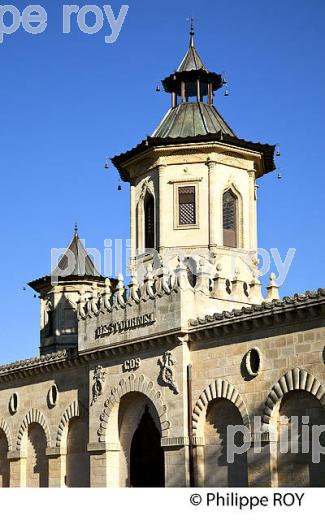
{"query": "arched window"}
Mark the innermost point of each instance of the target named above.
(149, 221)
(70, 322)
(230, 205)
(50, 323)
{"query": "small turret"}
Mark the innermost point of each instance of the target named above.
(59, 292)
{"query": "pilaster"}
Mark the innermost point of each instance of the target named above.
(17, 469)
(133, 219)
(213, 204)
(161, 208)
(57, 467)
(104, 464)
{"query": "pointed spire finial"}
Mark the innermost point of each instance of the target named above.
(192, 31)
(76, 229)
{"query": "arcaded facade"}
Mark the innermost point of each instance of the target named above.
(137, 383)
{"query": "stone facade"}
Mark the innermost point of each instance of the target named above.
(93, 425)
(138, 385)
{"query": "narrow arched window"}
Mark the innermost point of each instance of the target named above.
(149, 221)
(230, 210)
(50, 320)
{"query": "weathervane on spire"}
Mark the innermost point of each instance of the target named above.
(192, 30)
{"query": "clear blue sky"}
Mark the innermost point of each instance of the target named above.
(67, 101)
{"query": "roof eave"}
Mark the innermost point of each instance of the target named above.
(171, 81)
(46, 282)
(267, 151)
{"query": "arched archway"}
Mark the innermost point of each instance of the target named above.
(108, 425)
(146, 454)
(218, 470)
(294, 406)
(72, 437)
(220, 388)
(299, 412)
(4, 462)
(141, 461)
(219, 405)
(294, 379)
(33, 416)
(77, 458)
(37, 474)
(120, 418)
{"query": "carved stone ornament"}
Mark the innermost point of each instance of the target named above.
(167, 373)
(98, 386)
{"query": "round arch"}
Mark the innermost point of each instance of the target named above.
(133, 384)
(33, 416)
(295, 379)
(220, 388)
(73, 410)
(5, 428)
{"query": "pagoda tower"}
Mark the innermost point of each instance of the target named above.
(193, 181)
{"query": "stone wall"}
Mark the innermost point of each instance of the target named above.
(110, 412)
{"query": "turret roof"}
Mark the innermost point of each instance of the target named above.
(74, 265)
(192, 119)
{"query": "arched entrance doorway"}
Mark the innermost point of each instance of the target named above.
(147, 456)
(141, 458)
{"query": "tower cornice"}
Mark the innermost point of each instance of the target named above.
(154, 153)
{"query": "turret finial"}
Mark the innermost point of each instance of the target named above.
(192, 31)
(76, 230)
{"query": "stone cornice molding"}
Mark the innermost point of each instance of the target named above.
(278, 312)
(38, 365)
(183, 180)
(66, 359)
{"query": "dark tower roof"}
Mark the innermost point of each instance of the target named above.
(192, 119)
(190, 70)
(82, 265)
(75, 265)
(191, 60)
(193, 116)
